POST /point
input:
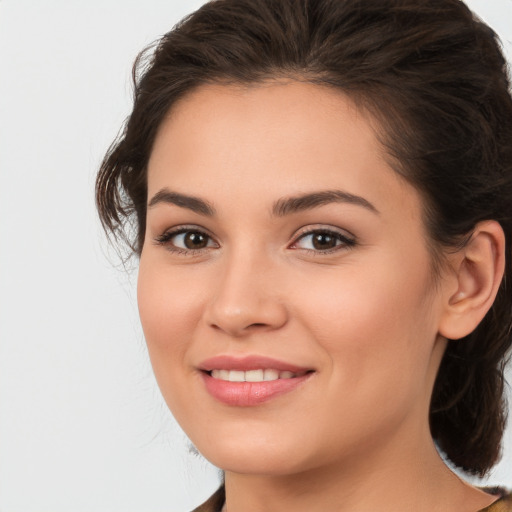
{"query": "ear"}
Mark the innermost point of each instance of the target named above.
(477, 273)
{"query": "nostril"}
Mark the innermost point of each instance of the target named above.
(238, 317)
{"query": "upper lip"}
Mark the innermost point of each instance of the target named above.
(252, 362)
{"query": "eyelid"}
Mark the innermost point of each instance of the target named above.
(166, 236)
(348, 240)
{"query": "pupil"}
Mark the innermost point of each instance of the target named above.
(324, 241)
(195, 241)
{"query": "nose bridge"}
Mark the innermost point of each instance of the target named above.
(246, 297)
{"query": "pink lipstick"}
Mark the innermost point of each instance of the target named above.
(250, 380)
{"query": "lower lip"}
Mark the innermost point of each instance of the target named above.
(246, 394)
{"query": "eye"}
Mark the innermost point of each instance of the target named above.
(323, 240)
(186, 240)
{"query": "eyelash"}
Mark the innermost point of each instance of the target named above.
(343, 241)
(166, 238)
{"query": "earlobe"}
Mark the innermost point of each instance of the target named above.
(478, 270)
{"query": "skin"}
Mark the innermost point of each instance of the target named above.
(367, 316)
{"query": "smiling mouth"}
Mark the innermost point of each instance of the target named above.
(261, 375)
(251, 380)
(246, 388)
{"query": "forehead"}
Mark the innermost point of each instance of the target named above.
(287, 113)
(278, 137)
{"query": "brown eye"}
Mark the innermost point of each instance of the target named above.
(184, 240)
(323, 241)
(195, 240)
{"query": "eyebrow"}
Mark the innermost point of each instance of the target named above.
(287, 206)
(195, 204)
(281, 208)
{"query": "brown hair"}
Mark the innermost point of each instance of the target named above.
(432, 75)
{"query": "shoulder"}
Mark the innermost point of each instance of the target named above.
(504, 504)
(214, 503)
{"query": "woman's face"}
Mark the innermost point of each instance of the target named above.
(280, 245)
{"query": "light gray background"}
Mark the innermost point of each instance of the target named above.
(82, 424)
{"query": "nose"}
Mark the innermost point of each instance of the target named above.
(246, 299)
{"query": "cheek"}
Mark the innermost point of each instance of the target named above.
(168, 298)
(170, 307)
(376, 325)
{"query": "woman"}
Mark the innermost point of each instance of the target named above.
(320, 192)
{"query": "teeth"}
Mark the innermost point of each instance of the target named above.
(236, 376)
(252, 375)
(270, 375)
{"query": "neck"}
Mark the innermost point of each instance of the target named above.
(415, 479)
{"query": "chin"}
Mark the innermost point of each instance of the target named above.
(256, 463)
(254, 456)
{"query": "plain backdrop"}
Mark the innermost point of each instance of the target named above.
(82, 425)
